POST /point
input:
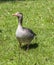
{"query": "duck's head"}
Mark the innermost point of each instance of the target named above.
(18, 14)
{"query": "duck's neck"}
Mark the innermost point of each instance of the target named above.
(20, 21)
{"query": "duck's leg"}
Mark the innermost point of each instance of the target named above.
(27, 47)
(20, 44)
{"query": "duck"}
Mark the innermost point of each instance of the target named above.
(23, 34)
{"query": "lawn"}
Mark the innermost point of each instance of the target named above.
(38, 16)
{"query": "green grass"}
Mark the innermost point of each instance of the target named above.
(38, 16)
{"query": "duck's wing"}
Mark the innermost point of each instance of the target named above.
(29, 31)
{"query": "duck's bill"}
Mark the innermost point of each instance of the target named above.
(14, 14)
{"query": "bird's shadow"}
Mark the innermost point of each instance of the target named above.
(31, 46)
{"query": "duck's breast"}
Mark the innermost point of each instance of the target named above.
(19, 33)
